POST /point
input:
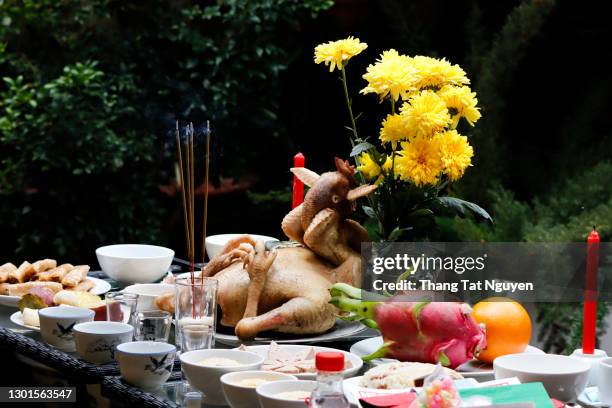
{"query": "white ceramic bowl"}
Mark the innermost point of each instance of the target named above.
(242, 396)
(207, 378)
(97, 342)
(146, 364)
(215, 243)
(147, 292)
(134, 263)
(355, 361)
(268, 393)
(563, 377)
(57, 324)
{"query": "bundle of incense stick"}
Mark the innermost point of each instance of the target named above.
(187, 180)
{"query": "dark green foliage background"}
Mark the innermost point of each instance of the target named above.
(91, 90)
(89, 95)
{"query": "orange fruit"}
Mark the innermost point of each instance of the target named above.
(508, 327)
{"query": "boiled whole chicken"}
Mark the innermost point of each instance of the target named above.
(286, 289)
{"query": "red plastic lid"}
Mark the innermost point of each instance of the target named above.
(329, 361)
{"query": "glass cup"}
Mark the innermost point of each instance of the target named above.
(195, 313)
(120, 307)
(152, 325)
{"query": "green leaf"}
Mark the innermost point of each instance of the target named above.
(369, 211)
(459, 207)
(443, 359)
(421, 212)
(360, 148)
(397, 233)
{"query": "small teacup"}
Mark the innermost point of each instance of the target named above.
(605, 382)
(146, 364)
(97, 342)
(593, 360)
(57, 324)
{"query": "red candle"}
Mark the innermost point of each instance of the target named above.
(298, 187)
(589, 330)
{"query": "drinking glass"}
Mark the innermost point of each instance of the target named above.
(195, 313)
(152, 325)
(120, 307)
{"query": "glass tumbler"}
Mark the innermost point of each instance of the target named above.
(152, 325)
(120, 307)
(195, 313)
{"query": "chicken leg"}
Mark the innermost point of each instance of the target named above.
(298, 315)
(257, 262)
(232, 251)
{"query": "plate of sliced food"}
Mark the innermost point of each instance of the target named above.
(40, 298)
(470, 369)
(299, 360)
(46, 278)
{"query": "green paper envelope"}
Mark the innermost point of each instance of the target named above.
(508, 394)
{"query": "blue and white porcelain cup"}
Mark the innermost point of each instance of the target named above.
(96, 342)
(146, 364)
(57, 325)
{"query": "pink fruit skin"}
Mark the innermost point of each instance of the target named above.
(442, 327)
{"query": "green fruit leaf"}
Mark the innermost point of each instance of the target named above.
(416, 313)
(443, 359)
(382, 352)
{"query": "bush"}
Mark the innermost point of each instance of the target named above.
(68, 152)
(90, 90)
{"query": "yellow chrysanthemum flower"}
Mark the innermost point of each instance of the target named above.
(368, 167)
(392, 74)
(462, 100)
(394, 130)
(435, 73)
(337, 53)
(455, 152)
(425, 114)
(420, 161)
(386, 167)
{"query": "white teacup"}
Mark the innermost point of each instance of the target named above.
(57, 324)
(605, 382)
(97, 342)
(146, 364)
(593, 360)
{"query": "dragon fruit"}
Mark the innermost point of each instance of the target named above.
(427, 332)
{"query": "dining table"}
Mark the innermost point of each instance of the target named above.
(28, 361)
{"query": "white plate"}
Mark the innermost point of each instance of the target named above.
(17, 318)
(340, 330)
(472, 369)
(356, 361)
(354, 391)
(100, 287)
